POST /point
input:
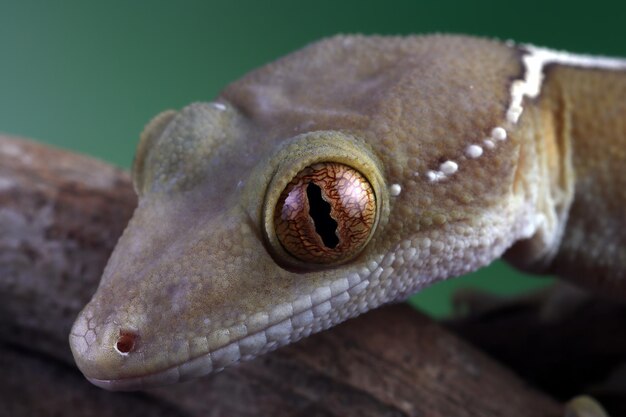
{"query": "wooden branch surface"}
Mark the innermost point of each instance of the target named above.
(575, 346)
(60, 215)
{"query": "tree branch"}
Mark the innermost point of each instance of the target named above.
(573, 342)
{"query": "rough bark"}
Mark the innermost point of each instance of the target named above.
(60, 215)
(571, 344)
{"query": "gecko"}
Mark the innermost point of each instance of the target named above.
(350, 174)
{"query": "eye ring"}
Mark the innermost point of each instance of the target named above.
(295, 156)
(325, 214)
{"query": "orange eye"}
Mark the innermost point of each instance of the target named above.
(325, 214)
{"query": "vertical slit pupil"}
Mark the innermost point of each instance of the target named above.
(319, 210)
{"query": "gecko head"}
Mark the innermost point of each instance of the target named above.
(233, 250)
(296, 201)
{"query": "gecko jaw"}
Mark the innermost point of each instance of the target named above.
(317, 317)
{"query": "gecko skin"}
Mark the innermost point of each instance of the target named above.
(350, 174)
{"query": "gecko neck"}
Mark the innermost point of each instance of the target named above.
(580, 107)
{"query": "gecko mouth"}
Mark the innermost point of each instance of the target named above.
(303, 322)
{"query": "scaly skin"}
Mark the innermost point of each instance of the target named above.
(469, 152)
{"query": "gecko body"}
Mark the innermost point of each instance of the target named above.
(350, 174)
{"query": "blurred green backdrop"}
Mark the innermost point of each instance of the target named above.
(88, 75)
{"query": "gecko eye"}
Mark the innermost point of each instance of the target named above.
(326, 214)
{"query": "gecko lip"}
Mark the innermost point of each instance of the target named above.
(157, 379)
(264, 340)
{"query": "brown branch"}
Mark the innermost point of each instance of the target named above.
(60, 215)
(571, 344)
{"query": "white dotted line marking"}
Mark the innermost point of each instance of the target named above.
(395, 190)
(434, 176)
(449, 167)
(473, 151)
(498, 133)
(534, 60)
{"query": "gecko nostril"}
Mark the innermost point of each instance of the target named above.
(126, 342)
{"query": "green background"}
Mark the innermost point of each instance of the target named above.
(88, 75)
